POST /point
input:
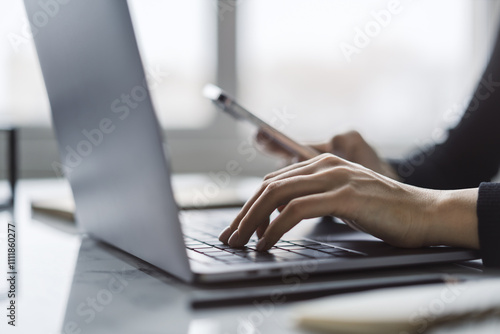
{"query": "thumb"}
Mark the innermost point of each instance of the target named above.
(341, 145)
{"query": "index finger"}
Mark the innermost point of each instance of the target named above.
(302, 168)
(276, 194)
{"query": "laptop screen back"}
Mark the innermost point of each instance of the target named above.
(109, 139)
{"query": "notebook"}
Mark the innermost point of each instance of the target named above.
(402, 310)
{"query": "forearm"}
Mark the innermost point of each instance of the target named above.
(453, 219)
(466, 218)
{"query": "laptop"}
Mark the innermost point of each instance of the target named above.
(113, 156)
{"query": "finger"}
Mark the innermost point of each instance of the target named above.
(228, 231)
(342, 144)
(315, 205)
(303, 168)
(295, 166)
(276, 193)
(262, 228)
(346, 144)
(338, 145)
(285, 173)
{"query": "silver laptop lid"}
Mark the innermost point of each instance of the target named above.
(109, 138)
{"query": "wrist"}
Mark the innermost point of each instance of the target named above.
(452, 219)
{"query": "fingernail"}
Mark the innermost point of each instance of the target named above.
(225, 234)
(233, 241)
(262, 245)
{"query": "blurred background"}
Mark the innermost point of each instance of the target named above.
(286, 61)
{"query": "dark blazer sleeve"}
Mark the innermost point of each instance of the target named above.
(488, 214)
(469, 156)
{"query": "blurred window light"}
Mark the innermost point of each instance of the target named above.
(390, 69)
(178, 38)
(329, 65)
(177, 43)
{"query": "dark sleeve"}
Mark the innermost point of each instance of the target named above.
(488, 214)
(469, 157)
(471, 153)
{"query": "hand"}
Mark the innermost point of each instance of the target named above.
(399, 214)
(350, 146)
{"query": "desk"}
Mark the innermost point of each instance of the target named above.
(68, 283)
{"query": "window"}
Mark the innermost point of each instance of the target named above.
(22, 95)
(318, 66)
(178, 38)
(394, 70)
(177, 41)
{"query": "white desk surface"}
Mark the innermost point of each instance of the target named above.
(61, 273)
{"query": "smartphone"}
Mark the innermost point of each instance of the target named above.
(229, 105)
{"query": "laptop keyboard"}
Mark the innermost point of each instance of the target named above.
(203, 246)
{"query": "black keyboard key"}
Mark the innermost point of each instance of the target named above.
(347, 255)
(320, 246)
(304, 243)
(290, 256)
(220, 245)
(222, 255)
(261, 257)
(236, 260)
(210, 251)
(333, 250)
(277, 251)
(198, 257)
(312, 253)
(240, 252)
(292, 246)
